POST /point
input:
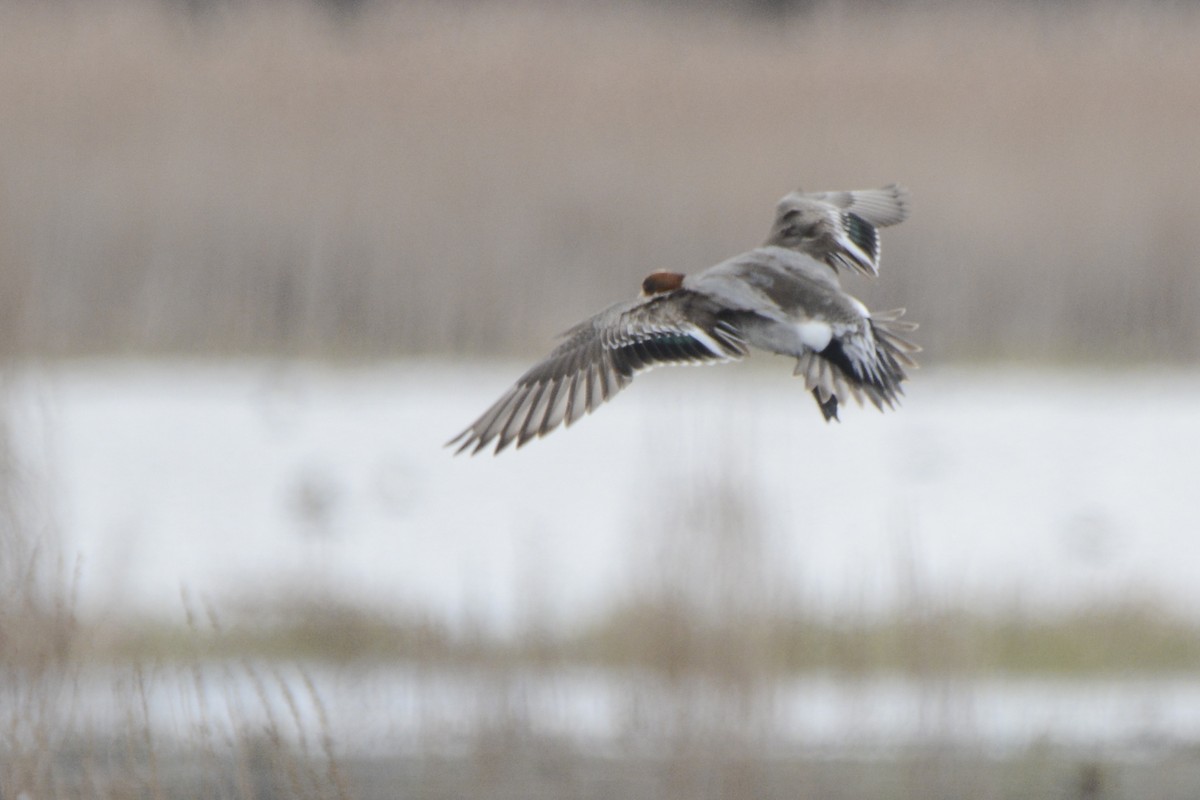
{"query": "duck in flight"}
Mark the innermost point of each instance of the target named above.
(783, 297)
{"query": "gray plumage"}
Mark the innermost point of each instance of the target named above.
(839, 228)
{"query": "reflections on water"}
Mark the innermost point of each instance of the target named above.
(393, 710)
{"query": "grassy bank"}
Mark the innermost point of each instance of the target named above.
(1124, 639)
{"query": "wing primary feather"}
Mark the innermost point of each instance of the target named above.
(576, 405)
(553, 402)
(512, 425)
(594, 380)
(533, 417)
(478, 434)
(556, 411)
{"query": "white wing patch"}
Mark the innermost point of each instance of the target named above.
(814, 334)
(712, 344)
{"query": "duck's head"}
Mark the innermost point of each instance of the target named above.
(661, 282)
(798, 222)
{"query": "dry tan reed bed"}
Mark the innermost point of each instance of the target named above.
(419, 180)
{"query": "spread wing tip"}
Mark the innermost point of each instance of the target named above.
(464, 441)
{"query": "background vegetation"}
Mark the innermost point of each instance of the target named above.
(208, 179)
(472, 178)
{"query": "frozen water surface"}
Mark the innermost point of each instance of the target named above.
(988, 486)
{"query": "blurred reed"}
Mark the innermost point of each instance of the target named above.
(472, 178)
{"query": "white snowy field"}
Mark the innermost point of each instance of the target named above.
(995, 486)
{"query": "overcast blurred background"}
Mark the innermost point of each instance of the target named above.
(261, 259)
(381, 180)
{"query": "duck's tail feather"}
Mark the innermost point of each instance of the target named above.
(868, 367)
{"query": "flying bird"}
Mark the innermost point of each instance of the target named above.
(783, 297)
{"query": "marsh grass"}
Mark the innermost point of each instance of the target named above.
(1119, 640)
(51, 748)
(446, 178)
(260, 746)
(664, 636)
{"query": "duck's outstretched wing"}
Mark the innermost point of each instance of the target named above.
(598, 358)
(880, 207)
(839, 228)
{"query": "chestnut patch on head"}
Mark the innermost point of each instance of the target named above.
(659, 282)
